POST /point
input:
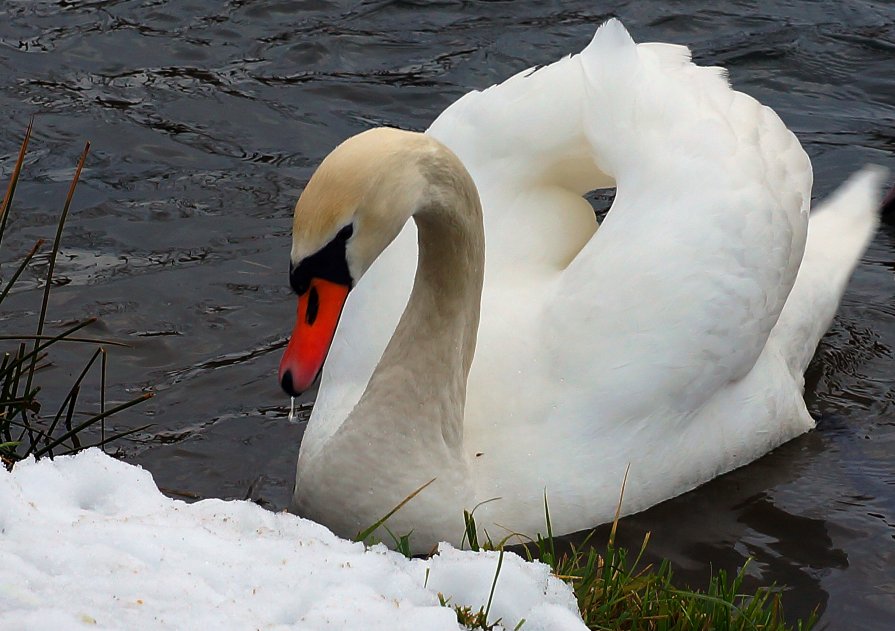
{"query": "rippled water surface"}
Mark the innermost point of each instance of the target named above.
(207, 119)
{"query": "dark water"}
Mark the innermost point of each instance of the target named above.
(206, 120)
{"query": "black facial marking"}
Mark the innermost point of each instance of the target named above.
(313, 306)
(328, 263)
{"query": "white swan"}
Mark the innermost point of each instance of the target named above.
(673, 339)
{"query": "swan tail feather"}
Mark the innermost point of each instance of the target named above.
(839, 231)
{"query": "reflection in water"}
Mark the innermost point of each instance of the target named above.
(732, 520)
(813, 548)
(206, 120)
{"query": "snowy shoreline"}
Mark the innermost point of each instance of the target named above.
(90, 542)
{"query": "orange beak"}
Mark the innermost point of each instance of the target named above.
(319, 309)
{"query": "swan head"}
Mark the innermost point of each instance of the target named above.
(354, 205)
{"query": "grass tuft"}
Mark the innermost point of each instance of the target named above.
(25, 428)
(472, 619)
(615, 590)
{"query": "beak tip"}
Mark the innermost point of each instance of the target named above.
(317, 316)
(287, 384)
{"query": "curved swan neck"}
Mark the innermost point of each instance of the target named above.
(419, 385)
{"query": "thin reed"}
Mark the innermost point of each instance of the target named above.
(26, 426)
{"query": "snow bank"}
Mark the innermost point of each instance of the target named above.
(90, 542)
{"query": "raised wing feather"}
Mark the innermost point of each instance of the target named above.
(689, 272)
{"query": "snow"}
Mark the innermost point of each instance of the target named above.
(89, 542)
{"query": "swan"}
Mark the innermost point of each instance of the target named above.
(507, 348)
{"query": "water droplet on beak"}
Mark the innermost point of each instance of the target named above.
(292, 418)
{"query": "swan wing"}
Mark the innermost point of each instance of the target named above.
(677, 293)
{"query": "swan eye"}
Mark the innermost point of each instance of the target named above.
(345, 233)
(328, 263)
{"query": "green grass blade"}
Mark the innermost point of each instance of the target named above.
(362, 536)
(470, 534)
(618, 508)
(494, 585)
(550, 541)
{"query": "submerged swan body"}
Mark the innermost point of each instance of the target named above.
(539, 353)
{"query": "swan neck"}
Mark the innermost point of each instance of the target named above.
(419, 384)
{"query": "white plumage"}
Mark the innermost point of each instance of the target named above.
(654, 340)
